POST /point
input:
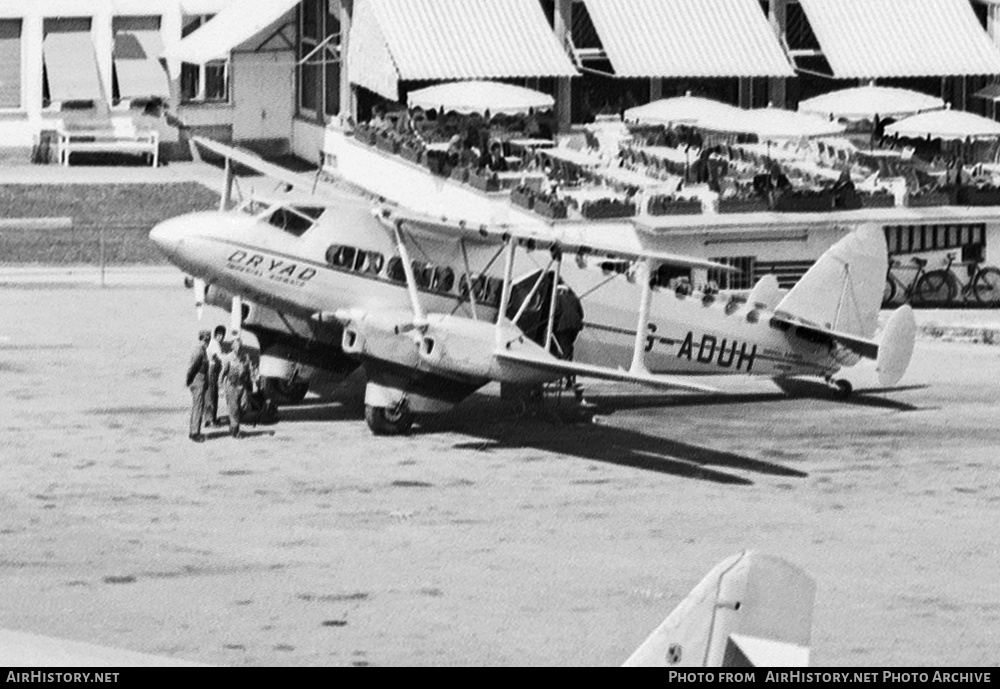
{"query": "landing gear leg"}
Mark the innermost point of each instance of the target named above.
(394, 420)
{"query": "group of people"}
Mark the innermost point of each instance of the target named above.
(474, 140)
(211, 370)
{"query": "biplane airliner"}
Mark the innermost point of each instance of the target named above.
(435, 307)
(750, 610)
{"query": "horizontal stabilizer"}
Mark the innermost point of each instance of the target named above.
(756, 652)
(861, 346)
(560, 367)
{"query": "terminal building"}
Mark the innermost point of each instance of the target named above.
(277, 76)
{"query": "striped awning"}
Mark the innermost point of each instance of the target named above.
(688, 38)
(236, 24)
(137, 65)
(71, 67)
(439, 40)
(862, 39)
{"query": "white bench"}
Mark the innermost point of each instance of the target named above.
(116, 139)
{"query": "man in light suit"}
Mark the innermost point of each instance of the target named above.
(197, 380)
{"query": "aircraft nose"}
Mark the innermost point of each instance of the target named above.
(170, 233)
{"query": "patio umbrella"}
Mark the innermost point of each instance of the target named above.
(467, 97)
(947, 125)
(688, 110)
(773, 123)
(869, 102)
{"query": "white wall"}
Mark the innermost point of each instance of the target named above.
(307, 139)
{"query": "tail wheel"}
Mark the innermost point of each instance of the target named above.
(986, 286)
(936, 288)
(844, 388)
(889, 293)
(396, 420)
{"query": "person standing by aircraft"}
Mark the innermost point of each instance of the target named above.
(237, 373)
(214, 352)
(197, 374)
(567, 323)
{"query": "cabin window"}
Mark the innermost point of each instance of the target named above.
(396, 272)
(422, 274)
(374, 262)
(294, 221)
(665, 273)
(444, 279)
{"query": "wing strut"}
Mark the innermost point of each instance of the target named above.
(468, 280)
(508, 279)
(638, 366)
(557, 259)
(419, 318)
(227, 186)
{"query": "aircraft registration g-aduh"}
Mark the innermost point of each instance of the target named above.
(436, 307)
(750, 610)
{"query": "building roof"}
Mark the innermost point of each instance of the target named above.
(237, 23)
(437, 40)
(688, 38)
(901, 38)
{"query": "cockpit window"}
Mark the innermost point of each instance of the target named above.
(294, 220)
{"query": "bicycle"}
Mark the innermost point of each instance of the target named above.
(894, 285)
(941, 287)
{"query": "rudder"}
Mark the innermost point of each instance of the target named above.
(843, 290)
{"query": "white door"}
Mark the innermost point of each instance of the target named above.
(263, 95)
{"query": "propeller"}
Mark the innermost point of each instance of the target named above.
(236, 315)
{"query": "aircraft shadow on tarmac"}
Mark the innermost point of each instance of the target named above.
(562, 428)
(790, 389)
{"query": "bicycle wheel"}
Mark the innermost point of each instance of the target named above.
(935, 288)
(986, 286)
(889, 293)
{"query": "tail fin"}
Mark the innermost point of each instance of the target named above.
(844, 288)
(751, 610)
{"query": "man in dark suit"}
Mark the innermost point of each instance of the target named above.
(197, 381)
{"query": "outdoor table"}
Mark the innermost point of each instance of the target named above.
(509, 180)
(630, 178)
(571, 157)
(526, 145)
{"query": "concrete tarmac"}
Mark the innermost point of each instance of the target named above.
(486, 538)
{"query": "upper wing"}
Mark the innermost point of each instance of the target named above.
(608, 239)
(561, 367)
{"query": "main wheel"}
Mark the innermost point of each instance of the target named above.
(284, 392)
(396, 420)
(936, 288)
(986, 286)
